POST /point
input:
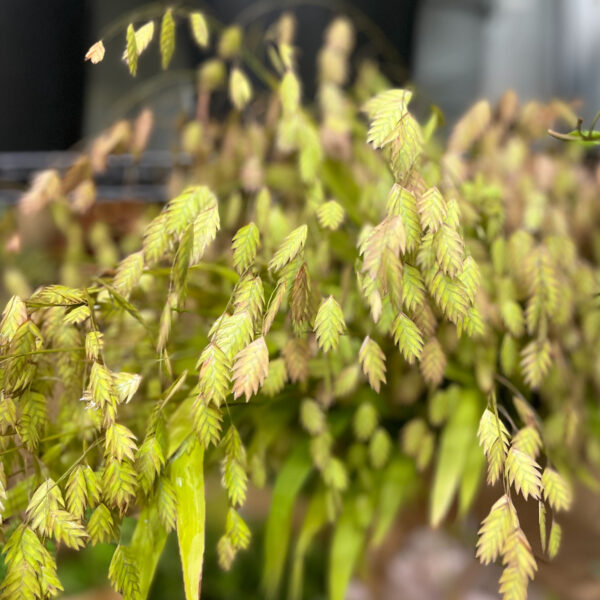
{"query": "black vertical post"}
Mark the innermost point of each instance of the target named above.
(42, 45)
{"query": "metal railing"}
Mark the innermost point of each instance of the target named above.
(126, 177)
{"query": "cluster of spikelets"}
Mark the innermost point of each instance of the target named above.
(513, 460)
(337, 289)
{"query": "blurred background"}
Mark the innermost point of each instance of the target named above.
(453, 51)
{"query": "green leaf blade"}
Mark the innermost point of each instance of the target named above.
(188, 477)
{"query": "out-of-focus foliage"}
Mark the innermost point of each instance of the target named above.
(332, 304)
(589, 137)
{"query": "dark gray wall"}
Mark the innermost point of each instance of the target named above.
(41, 72)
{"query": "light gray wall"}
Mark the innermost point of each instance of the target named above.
(542, 49)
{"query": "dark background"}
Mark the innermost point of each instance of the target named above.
(455, 51)
(44, 78)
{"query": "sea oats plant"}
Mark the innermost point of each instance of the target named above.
(333, 305)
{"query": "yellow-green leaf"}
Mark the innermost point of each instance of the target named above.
(199, 28)
(407, 337)
(291, 246)
(346, 546)
(556, 489)
(495, 529)
(386, 111)
(528, 440)
(330, 215)
(147, 543)
(290, 480)
(372, 360)
(132, 53)
(289, 93)
(167, 38)
(457, 438)
(245, 245)
(187, 471)
(250, 369)
(554, 539)
(143, 37)
(240, 88)
(329, 324)
(524, 473)
(432, 209)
